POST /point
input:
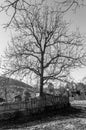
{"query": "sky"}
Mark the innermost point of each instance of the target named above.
(78, 20)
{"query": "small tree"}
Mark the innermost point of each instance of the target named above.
(42, 47)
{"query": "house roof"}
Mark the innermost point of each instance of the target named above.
(4, 81)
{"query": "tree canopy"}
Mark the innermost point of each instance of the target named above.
(42, 46)
(13, 7)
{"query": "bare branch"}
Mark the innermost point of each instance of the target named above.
(42, 47)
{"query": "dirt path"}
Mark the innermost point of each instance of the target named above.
(67, 124)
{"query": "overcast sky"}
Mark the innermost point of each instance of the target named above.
(78, 20)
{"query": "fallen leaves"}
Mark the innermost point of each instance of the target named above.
(67, 124)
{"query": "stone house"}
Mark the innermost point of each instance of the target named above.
(18, 98)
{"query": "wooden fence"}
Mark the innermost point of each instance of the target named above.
(35, 103)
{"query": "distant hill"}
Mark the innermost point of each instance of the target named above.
(5, 81)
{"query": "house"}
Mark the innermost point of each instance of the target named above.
(2, 100)
(49, 88)
(18, 98)
(11, 87)
(26, 95)
(78, 92)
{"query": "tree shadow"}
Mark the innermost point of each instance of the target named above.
(47, 115)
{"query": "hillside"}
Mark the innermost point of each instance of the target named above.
(5, 81)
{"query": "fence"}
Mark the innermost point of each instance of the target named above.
(35, 103)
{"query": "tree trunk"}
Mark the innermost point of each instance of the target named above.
(41, 76)
(41, 86)
(5, 94)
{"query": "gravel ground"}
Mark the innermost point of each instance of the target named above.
(68, 124)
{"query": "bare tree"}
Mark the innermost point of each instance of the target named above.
(13, 7)
(42, 47)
